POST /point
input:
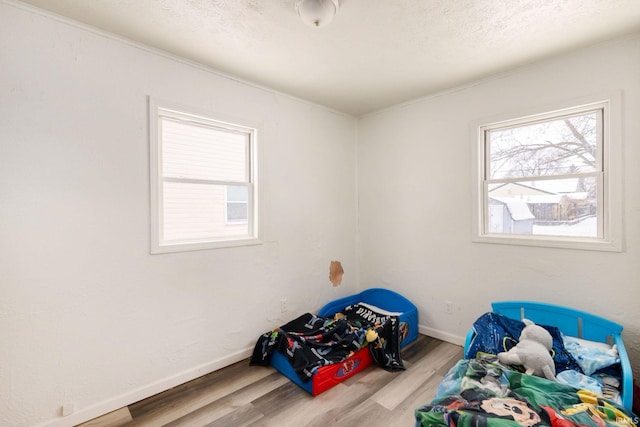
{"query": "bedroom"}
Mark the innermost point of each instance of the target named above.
(92, 321)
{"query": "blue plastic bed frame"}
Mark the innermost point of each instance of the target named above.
(574, 323)
(326, 378)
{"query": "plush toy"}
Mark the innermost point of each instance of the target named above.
(533, 352)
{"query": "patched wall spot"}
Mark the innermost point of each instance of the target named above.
(335, 273)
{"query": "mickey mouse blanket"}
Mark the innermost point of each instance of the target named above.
(484, 393)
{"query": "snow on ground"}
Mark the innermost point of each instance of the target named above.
(587, 227)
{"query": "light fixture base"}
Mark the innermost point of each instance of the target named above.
(317, 13)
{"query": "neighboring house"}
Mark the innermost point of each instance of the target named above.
(548, 206)
(510, 215)
(518, 190)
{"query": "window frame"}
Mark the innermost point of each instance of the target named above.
(609, 184)
(172, 111)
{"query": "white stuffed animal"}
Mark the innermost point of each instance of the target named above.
(533, 352)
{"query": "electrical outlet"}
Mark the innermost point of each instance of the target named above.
(448, 307)
(283, 305)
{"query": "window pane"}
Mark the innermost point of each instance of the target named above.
(197, 151)
(237, 212)
(237, 203)
(557, 147)
(237, 193)
(560, 207)
(197, 212)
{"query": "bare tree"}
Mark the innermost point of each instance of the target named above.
(560, 147)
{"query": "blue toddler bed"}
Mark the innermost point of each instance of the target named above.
(480, 391)
(571, 323)
(379, 301)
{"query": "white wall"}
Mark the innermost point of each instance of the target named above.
(415, 201)
(87, 315)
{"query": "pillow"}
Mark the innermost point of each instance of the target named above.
(587, 343)
(590, 355)
(496, 333)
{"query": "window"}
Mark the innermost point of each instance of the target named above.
(237, 204)
(550, 179)
(203, 179)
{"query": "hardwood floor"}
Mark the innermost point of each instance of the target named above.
(243, 395)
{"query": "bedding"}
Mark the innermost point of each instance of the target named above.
(591, 356)
(310, 341)
(579, 363)
(594, 379)
(495, 333)
(482, 392)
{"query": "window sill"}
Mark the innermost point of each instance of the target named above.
(197, 246)
(552, 242)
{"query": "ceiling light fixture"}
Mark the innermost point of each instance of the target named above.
(317, 13)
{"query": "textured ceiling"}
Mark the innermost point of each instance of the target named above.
(375, 53)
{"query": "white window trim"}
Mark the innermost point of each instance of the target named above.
(612, 186)
(157, 246)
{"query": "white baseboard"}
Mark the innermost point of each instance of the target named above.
(149, 390)
(144, 392)
(444, 336)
